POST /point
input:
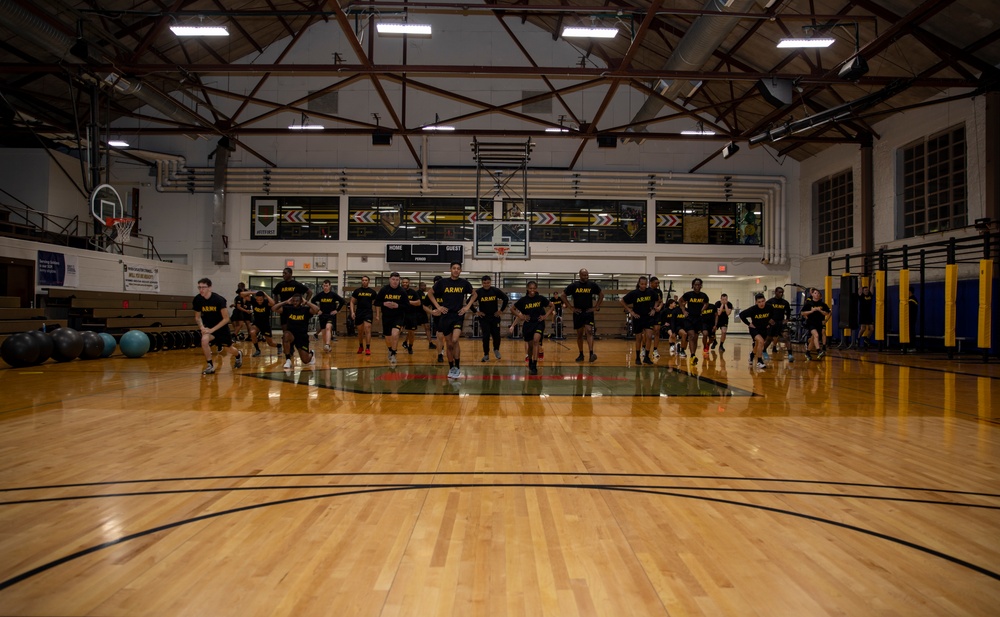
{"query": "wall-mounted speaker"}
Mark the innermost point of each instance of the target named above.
(607, 141)
(381, 139)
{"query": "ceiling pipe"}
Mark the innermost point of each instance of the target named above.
(705, 35)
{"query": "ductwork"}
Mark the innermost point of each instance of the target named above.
(704, 36)
(26, 24)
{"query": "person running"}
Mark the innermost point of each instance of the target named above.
(448, 297)
(261, 325)
(212, 316)
(866, 317)
(241, 312)
(579, 297)
(329, 303)
(492, 302)
(284, 290)
(298, 311)
(782, 313)
(723, 309)
(654, 286)
(532, 310)
(671, 317)
(390, 304)
(640, 303)
(425, 321)
(695, 303)
(759, 318)
(413, 315)
(362, 314)
(434, 316)
(816, 313)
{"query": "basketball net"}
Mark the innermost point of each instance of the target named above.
(501, 252)
(123, 228)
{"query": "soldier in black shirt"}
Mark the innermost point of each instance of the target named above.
(866, 317)
(579, 297)
(760, 320)
(413, 316)
(329, 303)
(532, 309)
(492, 303)
(391, 302)
(654, 286)
(816, 313)
(362, 314)
(448, 297)
(260, 308)
(640, 303)
(781, 311)
(283, 291)
(241, 311)
(212, 317)
(694, 304)
(723, 308)
(297, 312)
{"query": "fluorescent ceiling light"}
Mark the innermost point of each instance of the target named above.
(698, 132)
(785, 43)
(402, 28)
(306, 127)
(118, 143)
(438, 127)
(555, 130)
(200, 30)
(721, 276)
(589, 32)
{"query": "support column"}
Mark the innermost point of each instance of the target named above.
(867, 191)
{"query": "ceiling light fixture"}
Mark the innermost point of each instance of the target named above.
(700, 130)
(800, 43)
(118, 143)
(304, 125)
(403, 28)
(199, 30)
(589, 32)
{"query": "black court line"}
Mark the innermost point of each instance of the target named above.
(369, 490)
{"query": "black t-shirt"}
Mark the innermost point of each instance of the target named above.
(328, 302)
(780, 309)
(582, 294)
(391, 294)
(657, 294)
(757, 318)
(866, 307)
(363, 299)
(815, 320)
(491, 300)
(450, 293)
(674, 315)
(642, 302)
(721, 310)
(532, 307)
(261, 312)
(284, 290)
(298, 317)
(411, 296)
(210, 309)
(696, 303)
(239, 302)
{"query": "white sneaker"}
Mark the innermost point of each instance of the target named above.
(642, 354)
(392, 358)
(288, 363)
(312, 358)
(672, 350)
(326, 348)
(454, 373)
(656, 355)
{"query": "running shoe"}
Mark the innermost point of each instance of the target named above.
(766, 357)
(496, 353)
(682, 354)
(486, 358)
(714, 343)
(431, 346)
(279, 349)
(580, 357)
(694, 359)
(255, 353)
(288, 363)
(210, 369)
(761, 364)
(454, 373)
(722, 348)
(239, 360)
(326, 348)
(593, 357)
(532, 368)
(361, 349)
(368, 351)
(647, 360)
(791, 357)
(541, 354)
(440, 357)
(392, 357)
(312, 358)
(656, 355)
(409, 349)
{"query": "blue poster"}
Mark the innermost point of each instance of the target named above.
(57, 270)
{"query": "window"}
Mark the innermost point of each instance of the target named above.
(934, 185)
(295, 218)
(834, 212)
(410, 218)
(590, 220)
(703, 222)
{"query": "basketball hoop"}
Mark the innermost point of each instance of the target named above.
(123, 228)
(501, 251)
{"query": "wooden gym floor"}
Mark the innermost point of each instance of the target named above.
(862, 484)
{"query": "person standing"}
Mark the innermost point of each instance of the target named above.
(212, 316)
(695, 303)
(362, 314)
(671, 318)
(448, 297)
(866, 317)
(261, 309)
(329, 303)
(532, 310)
(434, 317)
(723, 309)
(640, 303)
(579, 297)
(241, 312)
(654, 286)
(298, 312)
(283, 291)
(759, 319)
(390, 303)
(413, 315)
(816, 313)
(492, 302)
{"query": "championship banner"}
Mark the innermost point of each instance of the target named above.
(57, 270)
(265, 217)
(142, 279)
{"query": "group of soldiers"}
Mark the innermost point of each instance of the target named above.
(441, 310)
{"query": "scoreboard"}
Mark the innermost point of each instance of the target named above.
(424, 253)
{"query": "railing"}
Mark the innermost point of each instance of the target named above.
(926, 255)
(30, 224)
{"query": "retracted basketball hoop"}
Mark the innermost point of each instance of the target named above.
(123, 228)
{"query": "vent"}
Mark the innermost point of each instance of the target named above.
(328, 103)
(542, 106)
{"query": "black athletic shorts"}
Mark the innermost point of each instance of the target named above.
(583, 319)
(777, 329)
(325, 319)
(391, 322)
(449, 322)
(263, 327)
(300, 340)
(222, 336)
(644, 322)
(530, 328)
(363, 317)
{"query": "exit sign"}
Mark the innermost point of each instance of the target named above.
(722, 268)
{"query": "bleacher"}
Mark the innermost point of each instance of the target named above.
(117, 312)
